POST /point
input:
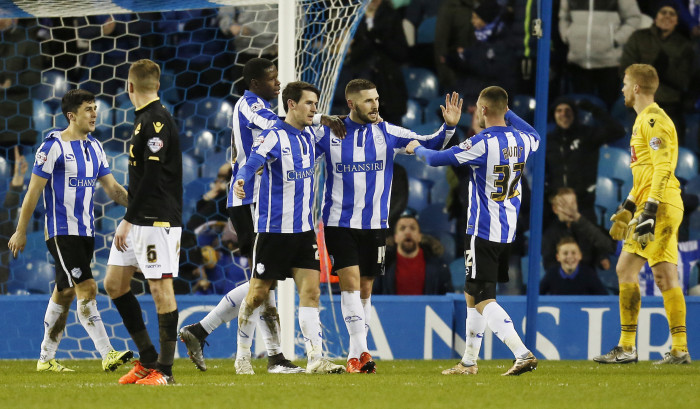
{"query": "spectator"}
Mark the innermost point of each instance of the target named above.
(569, 276)
(595, 245)
(595, 33)
(8, 214)
(20, 70)
(671, 53)
(210, 208)
(489, 60)
(572, 146)
(453, 29)
(376, 54)
(413, 266)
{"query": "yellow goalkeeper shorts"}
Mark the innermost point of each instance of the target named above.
(665, 244)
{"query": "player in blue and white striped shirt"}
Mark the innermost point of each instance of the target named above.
(496, 157)
(285, 245)
(252, 114)
(355, 207)
(67, 167)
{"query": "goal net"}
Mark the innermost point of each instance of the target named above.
(201, 47)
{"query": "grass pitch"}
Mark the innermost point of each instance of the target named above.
(398, 384)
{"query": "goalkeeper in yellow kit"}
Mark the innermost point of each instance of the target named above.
(648, 220)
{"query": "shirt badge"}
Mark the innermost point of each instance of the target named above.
(655, 143)
(40, 158)
(466, 145)
(157, 126)
(256, 107)
(155, 144)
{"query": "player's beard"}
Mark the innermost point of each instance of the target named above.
(629, 101)
(365, 117)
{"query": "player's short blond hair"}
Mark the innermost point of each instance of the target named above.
(645, 76)
(145, 75)
(495, 98)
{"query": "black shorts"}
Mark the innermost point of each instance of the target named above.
(72, 256)
(356, 247)
(486, 260)
(276, 254)
(242, 221)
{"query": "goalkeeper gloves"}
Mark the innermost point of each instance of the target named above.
(621, 220)
(645, 224)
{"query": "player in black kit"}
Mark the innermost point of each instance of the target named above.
(148, 238)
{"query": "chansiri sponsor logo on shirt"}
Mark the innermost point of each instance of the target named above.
(377, 165)
(300, 174)
(81, 182)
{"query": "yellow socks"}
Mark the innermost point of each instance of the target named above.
(674, 303)
(630, 303)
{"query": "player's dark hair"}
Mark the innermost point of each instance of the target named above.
(73, 99)
(358, 85)
(294, 90)
(255, 69)
(495, 98)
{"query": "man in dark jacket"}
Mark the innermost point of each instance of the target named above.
(671, 53)
(412, 268)
(572, 151)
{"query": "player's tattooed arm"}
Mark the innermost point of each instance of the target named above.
(114, 190)
(121, 196)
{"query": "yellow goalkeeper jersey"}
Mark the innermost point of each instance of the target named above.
(654, 151)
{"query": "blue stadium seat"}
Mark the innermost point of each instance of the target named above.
(525, 269)
(523, 106)
(192, 193)
(694, 226)
(413, 116)
(42, 117)
(426, 129)
(31, 271)
(687, 167)
(606, 200)
(448, 244)
(433, 114)
(421, 83)
(692, 132)
(435, 220)
(459, 274)
(119, 165)
(426, 31)
(53, 87)
(414, 167)
(586, 117)
(217, 112)
(190, 169)
(418, 193)
(204, 142)
(210, 167)
(614, 163)
(105, 119)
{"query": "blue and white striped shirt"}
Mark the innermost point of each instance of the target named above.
(72, 169)
(497, 157)
(359, 171)
(286, 193)
(251, 116)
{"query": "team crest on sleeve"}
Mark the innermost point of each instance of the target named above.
(655, 143)
(40, 158)
(258, 141)
(257, 106)
(155, 144)
(466, 145)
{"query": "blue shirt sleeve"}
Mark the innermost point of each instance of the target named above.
(438, 158)
(247, 172)
(519, 124)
